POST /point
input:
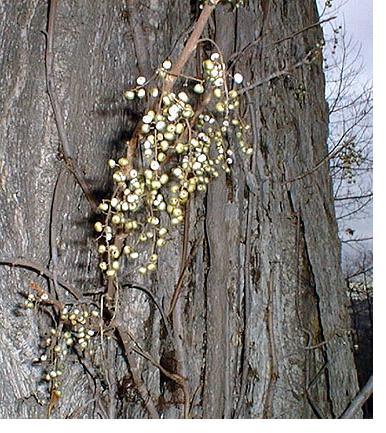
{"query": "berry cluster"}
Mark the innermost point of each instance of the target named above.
(349, 158)
(184, 140)
(74, 333)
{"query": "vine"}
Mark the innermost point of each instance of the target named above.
(180, 145)
(190, 130)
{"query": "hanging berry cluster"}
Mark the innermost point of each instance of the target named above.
(74, 332)
(183, 141)
(349, 158)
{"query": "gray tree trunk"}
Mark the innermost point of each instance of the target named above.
(264, 285)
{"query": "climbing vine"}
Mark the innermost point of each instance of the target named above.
(191, 128)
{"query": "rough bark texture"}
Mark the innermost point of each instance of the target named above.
(264, 281)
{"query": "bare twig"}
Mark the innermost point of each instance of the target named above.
(354, 197)
(357, 240)
(360, 272)
(331, 154)
(139, 384)
(304, 29)
(156, 302)
(178, 288)
(177, 378)
(41, 270)
(286, 71)
(252, 201)
(314, 406)
(236, 56)
(53, 264)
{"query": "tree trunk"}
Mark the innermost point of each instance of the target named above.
(261, 324)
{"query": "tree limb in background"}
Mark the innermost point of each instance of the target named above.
(359, 400)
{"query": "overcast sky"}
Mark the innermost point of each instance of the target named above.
(357, 16)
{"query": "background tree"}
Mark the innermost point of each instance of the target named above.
(260, 327)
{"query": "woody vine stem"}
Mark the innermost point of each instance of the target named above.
(182, 140)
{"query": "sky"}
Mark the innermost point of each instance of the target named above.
(357, 16)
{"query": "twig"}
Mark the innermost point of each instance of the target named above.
(53, 263)
(66, 147)
(195, 393)
(141, 388)
(314, 406)
(247, 286)
(359, 208)
(180, 281)
(140, 351)
(360, 272)
(41, 270)
(331, 154)
(357, 240)
(310, 383)
(170, 79)
(155, 301)
(354, 197)
(292, 35)
(177, 378)
(305, 61)
(190, 45)
(235, 57)
(359, 400)
(175, 311)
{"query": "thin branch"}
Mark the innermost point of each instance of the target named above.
(41, 270)
(305, 61)
(178, 288)
(139, 384)
(354, 197)
(359, 400)
(318, 23)
(355, 210)
(360, 272)
(235, 57)
(155, 301)
(53, 263)
(331, 154)
(357, 240)
(177, 378)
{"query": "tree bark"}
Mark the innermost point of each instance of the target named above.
(261, 325)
